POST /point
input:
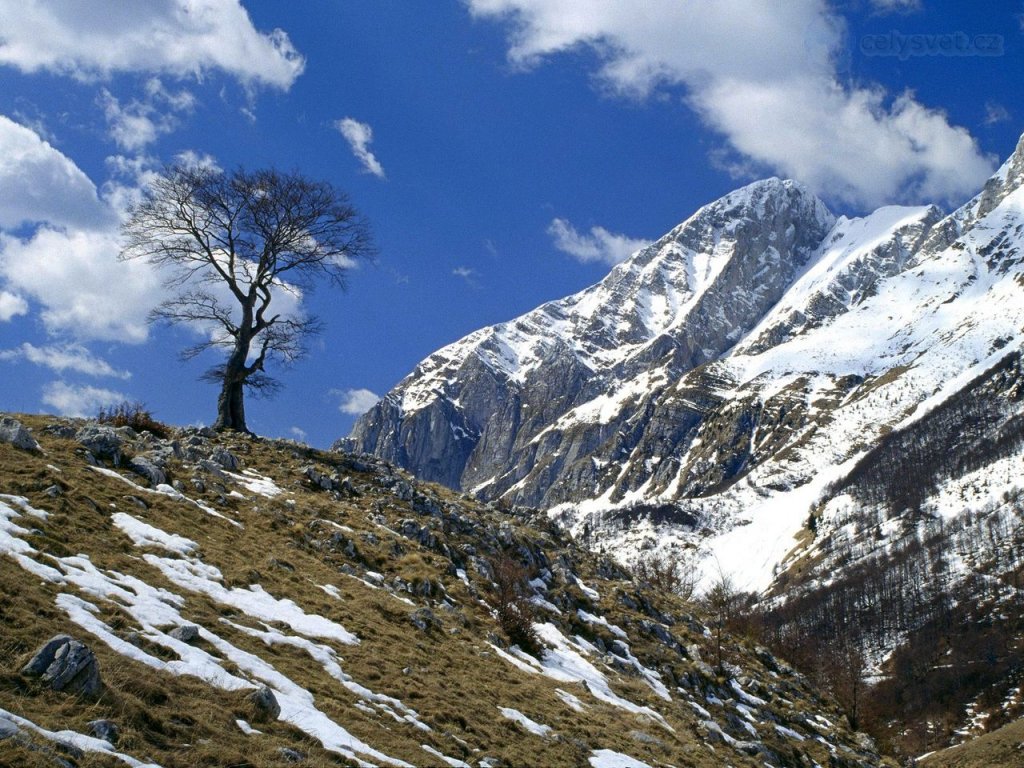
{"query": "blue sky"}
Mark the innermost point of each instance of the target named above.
(506, 152)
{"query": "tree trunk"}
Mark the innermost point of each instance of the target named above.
(231, 402)
(231, 406)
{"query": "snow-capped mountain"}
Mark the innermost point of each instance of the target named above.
(716, 386)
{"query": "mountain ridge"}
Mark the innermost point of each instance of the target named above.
(896, 301)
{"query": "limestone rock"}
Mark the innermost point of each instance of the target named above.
(186, 633)
(104, 729)
(66, 665)
(265, 704)
(424, 619)
(101, 441)
(225, 459)
(143, 465)
(11, 431)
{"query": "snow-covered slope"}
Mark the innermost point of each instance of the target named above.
(713, 385)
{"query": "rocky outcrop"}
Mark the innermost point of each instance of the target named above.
(102, 442)
(65, 664)
(11, 431)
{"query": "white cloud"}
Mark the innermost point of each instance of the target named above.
(359, 135)
(599, 245)
(39, 183)
(764, 76)
(70, 400)
(11, 305)
(355, 402)
(68, 263)
(71, 274)
(139, 123)
(65, 357)
(298, 433)
(194, 159)
(995, 113)
(177, 37)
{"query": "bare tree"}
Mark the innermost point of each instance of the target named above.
(720, 601)
(228, 242)
(675, 572)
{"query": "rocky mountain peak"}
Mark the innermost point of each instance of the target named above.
(1006, 180)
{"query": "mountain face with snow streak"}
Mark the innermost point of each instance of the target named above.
(720, 382)
(469, 412)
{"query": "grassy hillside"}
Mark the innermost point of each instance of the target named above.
(1004, 746)
(378, 611)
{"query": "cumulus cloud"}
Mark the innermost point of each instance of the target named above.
(11, 305)
(72, 400)
(359, 135)
(355, 402)
(177, 37)
(67, 261)
(64, 357)
(39, 183)
(598, 245)
(70, 274)
(764, 77)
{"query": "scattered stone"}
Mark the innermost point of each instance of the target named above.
(64, 431)
(104, 729)
(265, 703)
(505, 533)
(137, 502)
(225, 459)
(347, 486)
(319, 479)
(66, 665)
(126, 433)
(186, 633)
(424, 619)
(54, 491)
(290, 755)
(213, 468)
(11, 431)
(403, 490)
(7, 728)
(101, 441)
(864, 742)
(646, 738)
(143, 465)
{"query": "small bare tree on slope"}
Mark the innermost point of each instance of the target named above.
(229, 242)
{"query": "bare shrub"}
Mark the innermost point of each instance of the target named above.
(512, 603)
(132, 415)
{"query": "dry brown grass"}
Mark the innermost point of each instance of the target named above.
(450, 675)
(1003, 748)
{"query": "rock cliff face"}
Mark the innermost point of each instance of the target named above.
(470, 415)
(712, 387)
